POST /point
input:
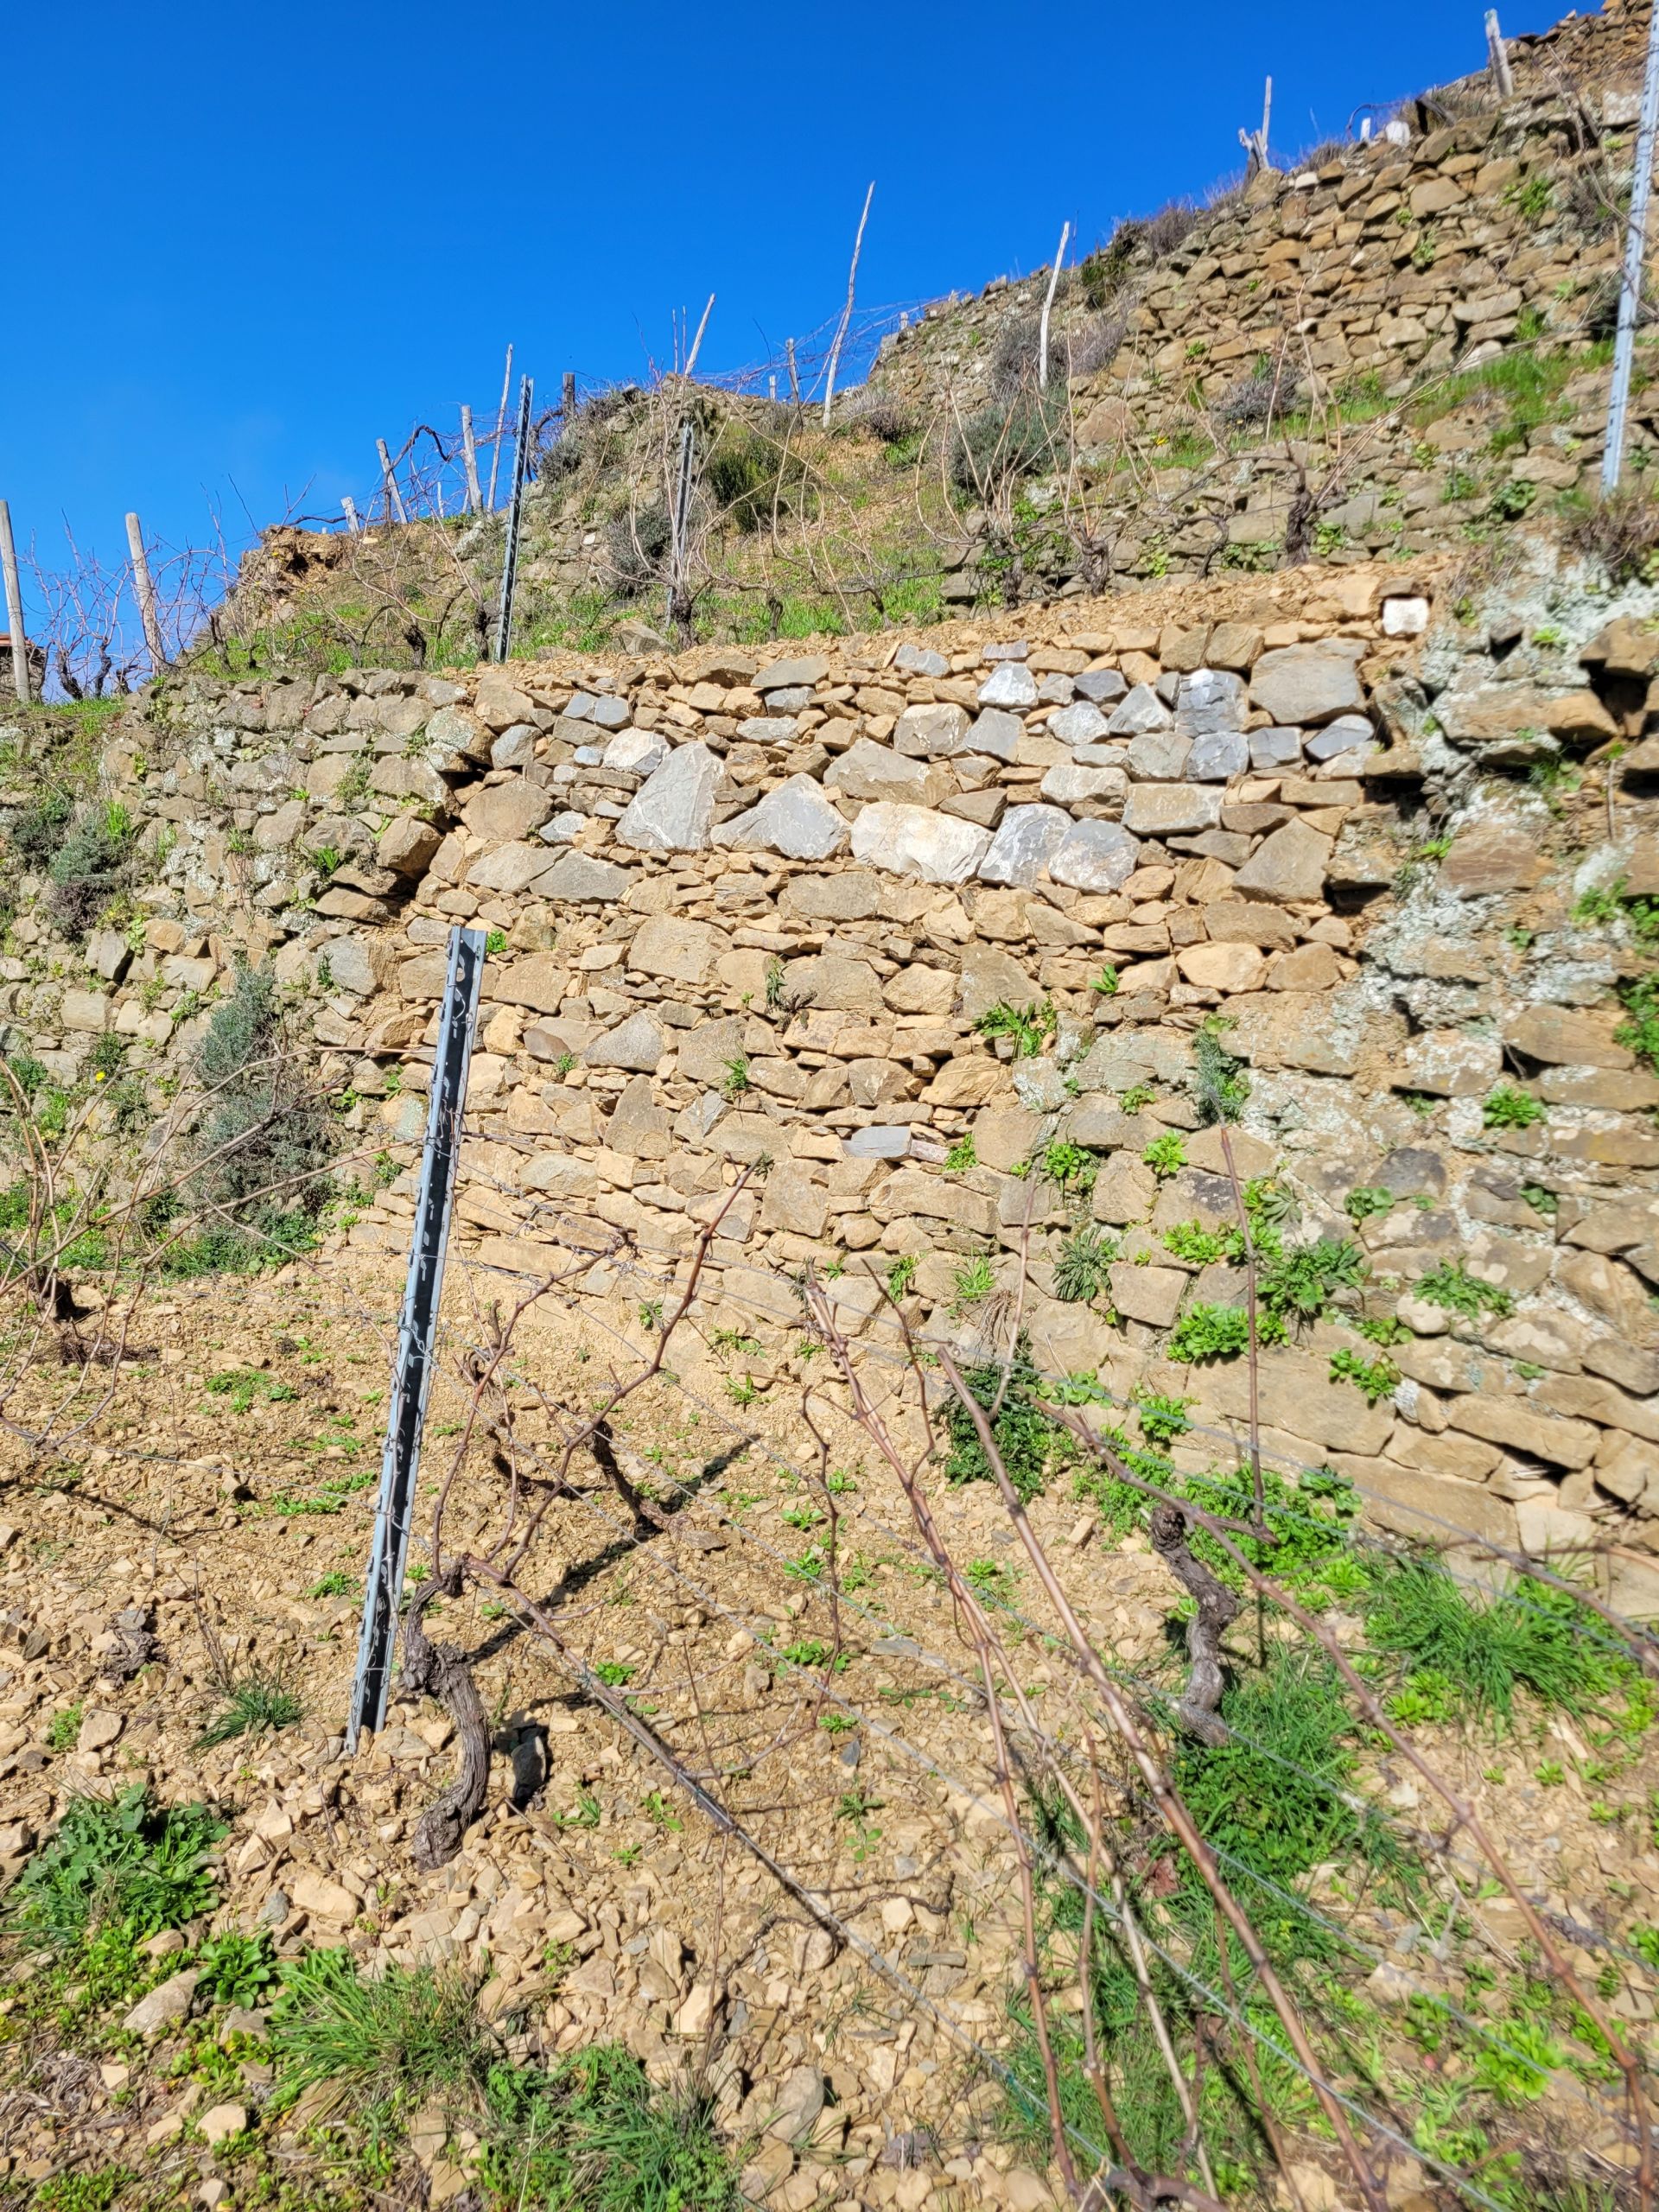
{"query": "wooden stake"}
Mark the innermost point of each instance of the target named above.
(351, 521)
(1629, 291)
(500, 427)
(1048, 308)
(567, 396)
(846, 312)
(1498, 55)
(14, 607)
(1266, 118)
(469, 460)
(794, 379)
(394, 502)
(144, 589)
(515, 510)
(696, 343)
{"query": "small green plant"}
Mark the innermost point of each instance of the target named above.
(901, 1275)
(612, 1673)
(1162, 1419)
(777, 976)
(64, 1726)
(737, 1077)
(255, 1705)
(1083, 1269)
(1451, 1286)
(1375, 1378)
(496, 941)
(1027, 1027)
(238, 1969)
(336, 1584)
(1137, 1095)
(1067, 1163)
(121, 1862)
(962, 1155)
(1365, 1201)
(974, 1281)
(1542, 1201)
(1165, 1155)
(1106, 981)
(1220, 1086)
(1198, 1246)
(1029, 1441)
(1532, 197)
(1509, 1108)
(1206, 1332)
(1301, 1283)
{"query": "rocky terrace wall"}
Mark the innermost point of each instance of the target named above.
(756, 907)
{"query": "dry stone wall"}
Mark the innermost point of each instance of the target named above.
(764, 908)
(1351, 293)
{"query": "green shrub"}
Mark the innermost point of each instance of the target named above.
(1639, 1032)
(1007, 439)
(1201, 1247)
(1278, 1796)
(1030, 1442)
(37, 832)
(89, 868)
(1220, 1084)
(264, 1139)
(123, 1861)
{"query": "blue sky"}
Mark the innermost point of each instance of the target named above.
(256, 237)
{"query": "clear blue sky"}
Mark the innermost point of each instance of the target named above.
(254, 236)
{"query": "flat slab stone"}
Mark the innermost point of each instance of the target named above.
(1010, 684)
(579, 877)
(1025, 841)
(1171, 809)
(674, 810)
(915, 840)
(796, 820)
(1095, 856)
(1309, 683)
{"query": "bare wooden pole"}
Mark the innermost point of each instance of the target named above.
(500, 427)
(351, 521)
(846, 312)
(794, 374)
(567, 396)
(696, 343)
(469, 460)
(1048, 308)
(1266, 118)
(1498, 55)
(14, 605)
(1635, 241)
(394, 501)
(144, 591)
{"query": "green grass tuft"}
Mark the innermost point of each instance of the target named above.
(253, 1705)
